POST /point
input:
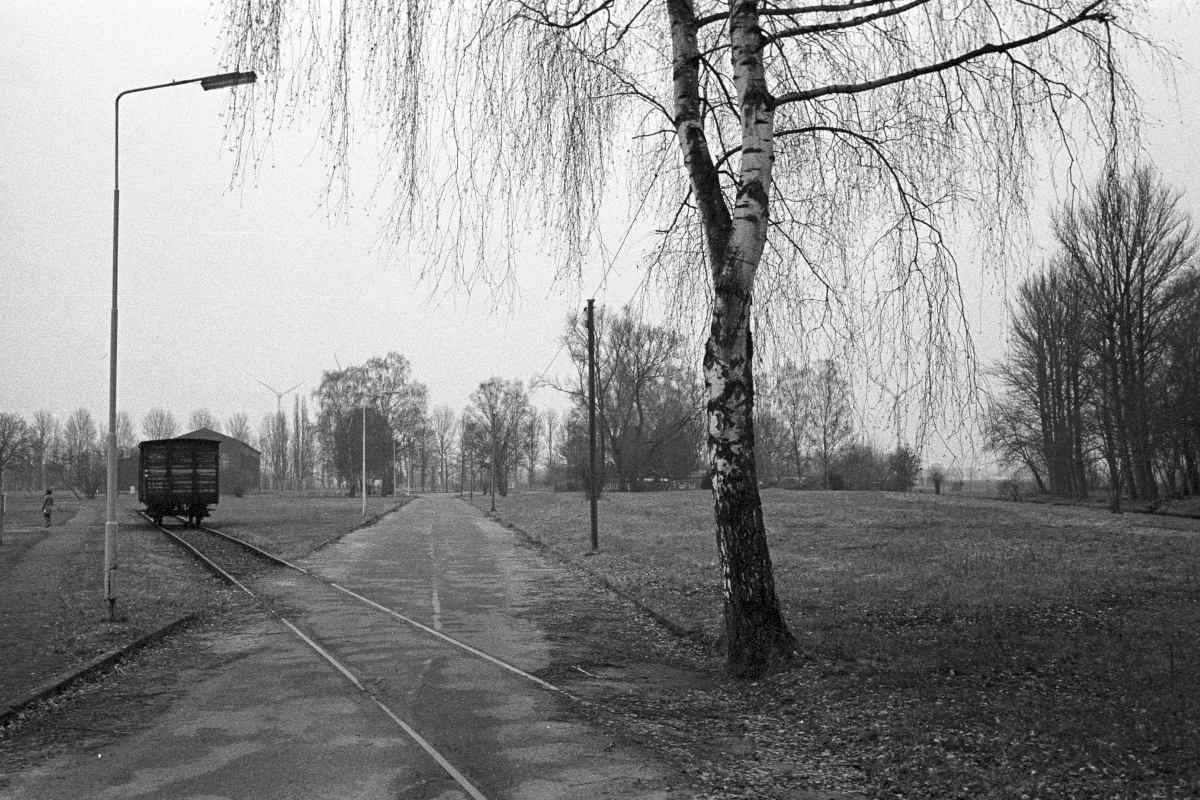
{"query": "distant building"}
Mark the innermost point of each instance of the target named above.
(240, 463)
(697, 480)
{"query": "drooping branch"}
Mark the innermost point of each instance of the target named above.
(1087, 15)
(540, 17)
(837, 25)
(792, 12)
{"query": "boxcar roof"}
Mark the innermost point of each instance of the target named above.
(214, 436)
(178, 439)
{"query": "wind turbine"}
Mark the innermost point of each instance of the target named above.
(279, 395)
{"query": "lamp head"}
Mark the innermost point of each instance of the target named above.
(227, 79)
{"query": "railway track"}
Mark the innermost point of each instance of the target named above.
(239, 562)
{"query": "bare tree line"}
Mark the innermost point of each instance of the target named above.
(1101, 377)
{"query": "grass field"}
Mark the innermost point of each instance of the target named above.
(953, 647)
(52, 610)
(293, 524)
(24, 509)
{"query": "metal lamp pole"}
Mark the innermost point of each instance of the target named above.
(110, 526)
(364, 461)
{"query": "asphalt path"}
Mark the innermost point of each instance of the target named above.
(277, 720)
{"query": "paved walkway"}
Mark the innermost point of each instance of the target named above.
(278, 721)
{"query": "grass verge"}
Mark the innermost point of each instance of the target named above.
(954, 647)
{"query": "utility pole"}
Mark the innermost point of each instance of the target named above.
(495, 457)
(364, 459)
(593, 490)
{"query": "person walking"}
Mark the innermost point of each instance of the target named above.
(48, 506)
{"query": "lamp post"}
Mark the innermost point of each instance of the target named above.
(110, 526)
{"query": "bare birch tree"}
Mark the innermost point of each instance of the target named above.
(809, 155)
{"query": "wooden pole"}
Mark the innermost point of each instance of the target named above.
(593, 489)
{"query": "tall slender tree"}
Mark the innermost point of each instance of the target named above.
(44, 431)
(444, 423)
(1047, 373)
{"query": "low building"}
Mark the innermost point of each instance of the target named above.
(240, 463)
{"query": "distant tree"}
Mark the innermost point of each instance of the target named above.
(770, 442)
(159, 424)
(85, 458)
(303, 454)
(788, 403)
(936, 475)
(15, 440)
(44, 431)
(829, 427)
(859, 466)
(15, 449)
(1125, 244)
(648, 398)
(348, 448)
(498, 412)
(1011, 433)
(385, 384)
(1179, 387)
(238, 427)
(468, 440)
(424, 447)
(127, 440)
(550, 420)
(1046, 383)
(444, 424)
(203, 418)
(273, 438)
(904, 470)
(531, 441)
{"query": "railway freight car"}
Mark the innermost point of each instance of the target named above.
(179, 477)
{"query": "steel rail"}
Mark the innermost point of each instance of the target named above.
(441, 760)
(499, 662)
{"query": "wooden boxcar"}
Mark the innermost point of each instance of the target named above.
(180, 477)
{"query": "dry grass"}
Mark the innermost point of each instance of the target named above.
(53, 615)
(293, 524)
(954, 647)
(24, 509)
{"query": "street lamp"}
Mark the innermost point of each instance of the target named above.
(110, 526)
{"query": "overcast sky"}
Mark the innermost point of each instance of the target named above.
(222, 287)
